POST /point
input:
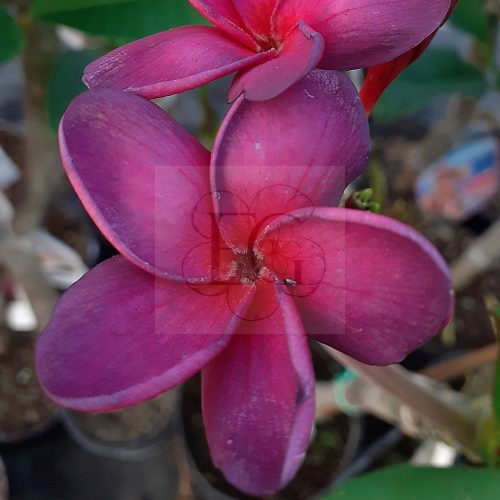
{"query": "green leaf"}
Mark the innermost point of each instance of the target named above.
(129, 19)
(404, 482)
(470, 16)
(436, 73)
(47, 7)
(11, 37)
(66, 82)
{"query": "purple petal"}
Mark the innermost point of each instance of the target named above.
(171, 62)
(140, 176)
(363, 33)
(300, 53)
(300, 149)
(224, 15)
(120, 336)
(258, 400)
(379, 292)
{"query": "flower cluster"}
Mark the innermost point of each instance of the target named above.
(229, 260)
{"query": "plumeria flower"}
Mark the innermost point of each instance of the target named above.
(229, 261)
(271, 44)
(379, 77)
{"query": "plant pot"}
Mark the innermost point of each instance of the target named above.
(333, 447)
(25, 411)
(133, 434)
(4, 485)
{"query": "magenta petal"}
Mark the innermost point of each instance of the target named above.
(300, 54)
(224, 15)
(171, 62)
(256, 15)
(258, 401)
(361, 33)
(383, 288)
(140, 176)
(300, 149)
(120, 336)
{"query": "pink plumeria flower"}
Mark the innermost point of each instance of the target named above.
(270, 43)
(227, 265)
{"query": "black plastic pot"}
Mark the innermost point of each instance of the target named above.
(133, 434)
(4, 485)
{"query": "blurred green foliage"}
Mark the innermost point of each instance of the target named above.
(436, 73)
(489, 433)
(66, 82)
(128, 19)
(11, 38)
(404, 482)
(470, 16)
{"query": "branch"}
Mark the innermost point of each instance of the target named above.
(426, 409)
(43, 171)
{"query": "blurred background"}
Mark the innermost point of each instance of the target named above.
(435, 166)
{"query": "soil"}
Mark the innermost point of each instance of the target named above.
(24, 408)
(472, 325)
(130, 426)
(323, 460)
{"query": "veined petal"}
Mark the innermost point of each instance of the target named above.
(258, 400)
(223, 14)
(381, 290)
(301, 53)
(256, 14)
(120, 336)
(300, 149)
(171, 62)
(140, 175)
(362, 33)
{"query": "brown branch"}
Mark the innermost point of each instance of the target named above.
(43, 171)
(460, 365)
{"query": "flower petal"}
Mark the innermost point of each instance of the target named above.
(363, 33)
(258, 400)
(380, 76)
(224, 15)
(120, 336)
(256, 15)
(171, 62)
(300, 149)
(383, 292)
(140, 176)
(300, 54)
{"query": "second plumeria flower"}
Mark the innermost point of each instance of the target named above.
(229, 262)
(270, 43)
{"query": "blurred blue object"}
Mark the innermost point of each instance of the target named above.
(460, 184)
